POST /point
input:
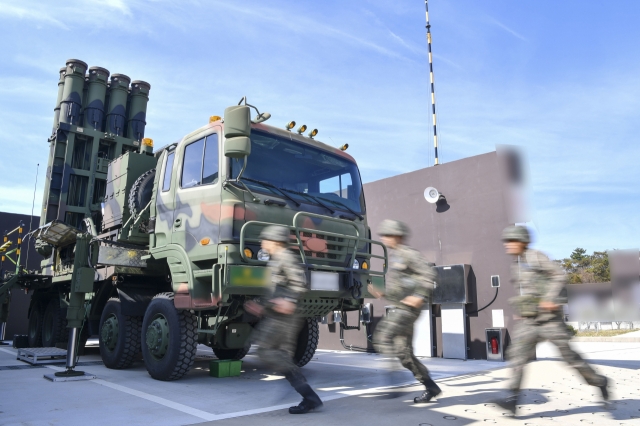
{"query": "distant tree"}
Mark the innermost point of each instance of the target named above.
(587, 268)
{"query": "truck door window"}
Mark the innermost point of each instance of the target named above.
(192, 165)
(166, 183)
(210, 165)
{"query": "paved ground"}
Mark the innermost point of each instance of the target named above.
(350, 383)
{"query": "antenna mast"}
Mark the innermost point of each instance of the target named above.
(433, 93)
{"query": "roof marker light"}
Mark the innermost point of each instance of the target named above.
(291, 125)
(302, 129)
(313, 133)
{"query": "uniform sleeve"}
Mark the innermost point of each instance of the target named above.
(555, 289)
(295, 278)
(425, 275)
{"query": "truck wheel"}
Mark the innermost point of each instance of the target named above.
(169, 339)
(35, 326)
(307, 342)
(54, 324)
(231, 353)
(119, 336)
(141, 192)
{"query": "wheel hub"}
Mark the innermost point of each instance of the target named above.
(109, 333)
(158, 336)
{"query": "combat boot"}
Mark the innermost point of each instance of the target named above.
(509, 403)
(310, 400)
(604, 390)
(432, 390)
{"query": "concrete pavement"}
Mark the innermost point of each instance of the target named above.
(348, 382)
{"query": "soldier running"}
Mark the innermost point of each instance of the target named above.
(410, 282)
(278, 330)
(541, 284)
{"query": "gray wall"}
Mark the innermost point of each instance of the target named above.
(17, 321)
(466, 231)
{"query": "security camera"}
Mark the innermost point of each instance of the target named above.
(433, 196)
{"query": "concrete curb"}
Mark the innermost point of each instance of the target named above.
(607, 339)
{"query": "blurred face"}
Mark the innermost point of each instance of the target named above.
(514, 248)
(272, 247)
(391, 241)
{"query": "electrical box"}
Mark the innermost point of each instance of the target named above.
(452, 284)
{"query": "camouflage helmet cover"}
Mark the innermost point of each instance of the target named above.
(516, 233)
(275, 233)
(393, 228)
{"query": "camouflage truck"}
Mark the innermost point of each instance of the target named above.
(156, 252)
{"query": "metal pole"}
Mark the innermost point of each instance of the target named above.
(433, 93)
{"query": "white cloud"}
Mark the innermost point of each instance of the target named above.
(499, 24)
(29, 14)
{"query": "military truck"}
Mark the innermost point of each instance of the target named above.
(157, 251)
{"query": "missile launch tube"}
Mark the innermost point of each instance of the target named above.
(56, 110)
(71, 102)
(138, 100)
(96, 92)
(116, 112)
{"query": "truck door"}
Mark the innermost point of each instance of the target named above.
(196, 215)
(165, 199)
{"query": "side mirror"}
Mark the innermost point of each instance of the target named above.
(237, 130)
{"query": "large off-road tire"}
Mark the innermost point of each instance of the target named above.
(231, 353)
(141, 192)
(169, 339)
(307, 342)
(34, 330)
(119, 336)
(54, 324)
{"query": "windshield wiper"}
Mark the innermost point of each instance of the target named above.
(345, 206)
(309, 196)
(268, 185)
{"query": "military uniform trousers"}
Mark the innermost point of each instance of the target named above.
(276, 337)
(523, 349)
(394, 337)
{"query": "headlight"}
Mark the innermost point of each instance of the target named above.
(356, 264)
(263, 255)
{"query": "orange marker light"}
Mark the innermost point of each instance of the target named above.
(205, 241)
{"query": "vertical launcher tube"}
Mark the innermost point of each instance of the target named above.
(56, 110)
(138, 100)
(71, 102)
(116, 115)
(96, 93)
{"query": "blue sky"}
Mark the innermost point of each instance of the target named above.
(561, 79)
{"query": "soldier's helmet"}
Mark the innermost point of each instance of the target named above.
(516, 233)
(275, 233)
(393, 228)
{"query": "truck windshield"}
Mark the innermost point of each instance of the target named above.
(303, 171)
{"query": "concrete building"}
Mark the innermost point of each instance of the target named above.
(466, 229)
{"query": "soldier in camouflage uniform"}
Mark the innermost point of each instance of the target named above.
(541, 284)
(410, 282)
(279, 328)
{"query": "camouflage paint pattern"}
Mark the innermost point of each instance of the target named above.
(409, 275)
(198, 227)
(538, 279)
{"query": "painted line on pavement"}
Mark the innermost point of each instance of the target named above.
(158, 400)
(8, 351)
